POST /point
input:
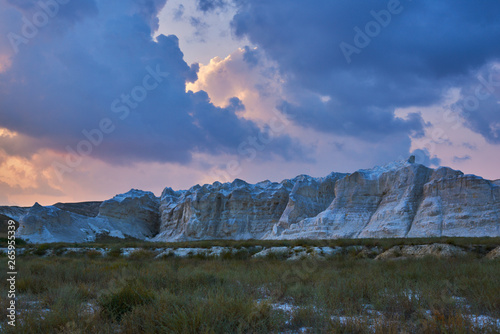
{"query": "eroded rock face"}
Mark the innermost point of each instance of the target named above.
(458, 205)
(239, 210)
(134, 214)
(236, 210)
(309, 197)
(404, 199)
(12, 212)
(380, 202)
(89, 209)
(401, 199)
(135, 206)
(45, 224)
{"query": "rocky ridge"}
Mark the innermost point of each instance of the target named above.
(401, 199)
(133, 214)
(405, 199)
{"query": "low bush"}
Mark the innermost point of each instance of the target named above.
(115, 304)
(115, 252)
(142, 254)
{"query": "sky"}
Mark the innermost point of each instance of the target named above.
(101, 96)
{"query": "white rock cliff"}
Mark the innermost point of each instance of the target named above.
(401, 199)
(133, 214)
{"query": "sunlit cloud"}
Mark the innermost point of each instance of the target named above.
(258, 86)
(7, 133)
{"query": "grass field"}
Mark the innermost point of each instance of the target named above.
(343, 294)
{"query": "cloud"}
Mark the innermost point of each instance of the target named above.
(251, 56)
(21, 176)
(94, 66)
(479, 102)
(406, 58)
(470, 146)
(200, 27)
(179, 12)
(259, 86)
(88, 68)
(461, 159)
(210, 5)
(231, 83)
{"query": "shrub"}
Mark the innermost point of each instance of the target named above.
(215, 313)
(240, 254)
(30, 284)
(114, 305)
(142, 254)
(93, 254)
(41, 250)
(277, 256)
(198, 256)
(308, 317)
(115, 252)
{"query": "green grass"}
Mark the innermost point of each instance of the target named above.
(237, 294)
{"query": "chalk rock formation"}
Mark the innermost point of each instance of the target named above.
(89, 209)
(404, 199)
(12, 212)
(239, 210)
(135, 207)
(401, 199)
(309, 197)
(134, 214)
(234, 210)
(455, 204)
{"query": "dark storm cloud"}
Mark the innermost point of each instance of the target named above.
(479, 103)
(399, 54)
(210, 5)
(91, 62)
(70, 11)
